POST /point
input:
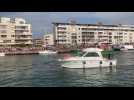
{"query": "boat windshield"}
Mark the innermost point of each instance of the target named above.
(78, 53)
(92, 54)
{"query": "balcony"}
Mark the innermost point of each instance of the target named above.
(23, 42)
(24, 33)
(29, 42)
(61, 32)
(23, 38)
(61, 28)
(21, 31)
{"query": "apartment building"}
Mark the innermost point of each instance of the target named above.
(38, 42)
(48, 40)
(14, 32)
(79, 34)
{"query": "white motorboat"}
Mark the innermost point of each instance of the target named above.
(45, 52)
(90, 58)
(127, 48)
(2, 54)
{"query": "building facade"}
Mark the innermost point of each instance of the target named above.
(38, 42)
(48, 40)
(14, 32)
(79, 34)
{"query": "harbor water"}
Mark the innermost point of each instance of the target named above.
(45, 71)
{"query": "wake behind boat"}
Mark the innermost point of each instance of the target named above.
(89, 58)
(45, 52)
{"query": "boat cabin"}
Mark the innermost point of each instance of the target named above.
(93, 52)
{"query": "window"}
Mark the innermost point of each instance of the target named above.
(3, 36)
(110, 40)
(61, 32)
(110, 33)
(115, 37)
(130, 37)
(100, 32)
(7, 41)
(12, 35)
(74, 37)
(3, 31)
(26, 31)
(61, 28)
(110, 36)
(92, 54)
(91, 33)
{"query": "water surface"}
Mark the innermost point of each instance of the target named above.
(45, 71)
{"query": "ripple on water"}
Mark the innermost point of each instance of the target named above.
(45, 71)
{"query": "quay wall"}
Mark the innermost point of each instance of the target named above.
(21, 51)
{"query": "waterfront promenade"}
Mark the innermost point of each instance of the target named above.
(35, 50)
(21, 51)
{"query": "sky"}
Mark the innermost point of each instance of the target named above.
(42, 21)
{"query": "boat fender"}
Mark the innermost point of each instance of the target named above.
(100, 62)
(111, 64)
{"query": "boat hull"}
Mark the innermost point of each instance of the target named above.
(89, 63)
(47, 52)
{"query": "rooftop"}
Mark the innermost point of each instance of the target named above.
(13, 20)
(57, 23)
